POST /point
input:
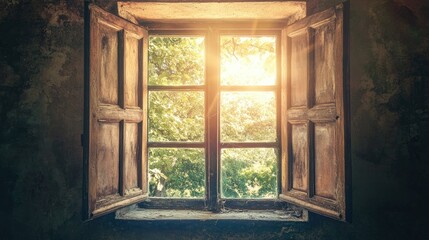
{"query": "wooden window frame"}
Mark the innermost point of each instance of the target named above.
(212, 31)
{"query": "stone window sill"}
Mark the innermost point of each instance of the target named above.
(134, 213)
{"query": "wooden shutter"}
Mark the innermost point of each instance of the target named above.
(115, 129)
(314, 114)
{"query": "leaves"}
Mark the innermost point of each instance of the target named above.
(248, 116)
(176, 61)
(180, 116)
(176, 172)
(176, 116)
(249, 173)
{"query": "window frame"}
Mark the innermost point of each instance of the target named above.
(212, 32)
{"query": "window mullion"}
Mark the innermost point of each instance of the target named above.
(212, 117)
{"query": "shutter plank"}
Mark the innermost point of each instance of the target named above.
(314, 110)
(115, 156)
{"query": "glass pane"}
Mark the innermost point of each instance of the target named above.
(249, 173)
(176, 116)
(248, 60)
(248, 116)
(176, 173)
(176, 61)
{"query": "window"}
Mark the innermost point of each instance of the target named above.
(246, 123)
(270, 99)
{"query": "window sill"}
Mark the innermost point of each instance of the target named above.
(134, 213)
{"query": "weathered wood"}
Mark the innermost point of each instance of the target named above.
(174, 203)
(176, 88)
(248, 88)
(112, 113)
(272, 215)
(314, 87)
(249, 145)
(324, 62)
(107, 160)
(326, 163)
(132, 55)
(212, 110)
(158, 27)
(132, 156)
(117, 201)
(143, 11)
(300, 157)
(298, 69)
(115, 149)
(318, 113)
(108, 63)
(176, 144)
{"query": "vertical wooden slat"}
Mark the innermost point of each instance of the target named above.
(143, 63)
(311, 74)
(310, 104)
(289, 155)
(122, 170)
(278, 109)
(141, 70)
(140, 164)
(284, 105)
(121, 70)
(212, 109)
(311, 160)
(92, 131)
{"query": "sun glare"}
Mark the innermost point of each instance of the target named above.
(248, 61)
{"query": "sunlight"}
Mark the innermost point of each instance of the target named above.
(248, 61)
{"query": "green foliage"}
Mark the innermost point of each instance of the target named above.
(248, 116)
(249, 173)
(176, 61)
(177, 172)
(179, 116)
(176, 116)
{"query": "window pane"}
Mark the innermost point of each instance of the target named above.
(176, 61)
(248, 116)
(176, 116)
(248, 60)
(249, 173)
(176, 172)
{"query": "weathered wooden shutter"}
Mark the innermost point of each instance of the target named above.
(314, 113)
(115, 154)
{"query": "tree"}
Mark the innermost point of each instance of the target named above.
(179, 116)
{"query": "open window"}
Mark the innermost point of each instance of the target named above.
(305, 103)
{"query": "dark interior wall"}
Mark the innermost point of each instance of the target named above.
(41, 92)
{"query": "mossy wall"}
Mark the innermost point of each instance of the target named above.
(41, 109)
